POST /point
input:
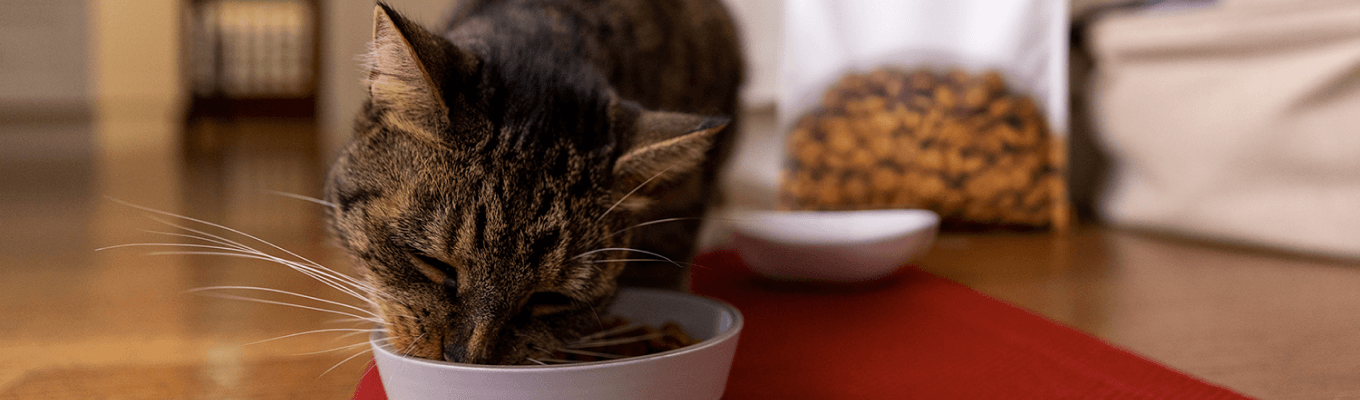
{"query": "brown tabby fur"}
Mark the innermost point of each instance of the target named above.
(492, 158)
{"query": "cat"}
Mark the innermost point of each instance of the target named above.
(503, 170)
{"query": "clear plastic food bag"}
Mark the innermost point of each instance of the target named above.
(959, 107)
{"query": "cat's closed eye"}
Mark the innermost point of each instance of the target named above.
(438, 271)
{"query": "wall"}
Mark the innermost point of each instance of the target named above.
(136, 74)
(44, 111)
(50, 34)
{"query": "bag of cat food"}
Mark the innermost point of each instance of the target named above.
(959, 107)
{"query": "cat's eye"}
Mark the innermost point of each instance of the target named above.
(438, 271)
(543, 303)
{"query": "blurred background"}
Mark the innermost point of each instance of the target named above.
(1234, 268)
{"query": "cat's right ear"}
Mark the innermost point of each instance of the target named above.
(663, 146)
(407, 66)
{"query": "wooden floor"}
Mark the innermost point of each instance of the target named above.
(120, 323)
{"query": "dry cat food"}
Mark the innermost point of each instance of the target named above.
(958, 144)
(619, 338)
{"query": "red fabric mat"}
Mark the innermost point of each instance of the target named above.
(914, 336)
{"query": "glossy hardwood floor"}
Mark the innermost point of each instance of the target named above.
(1268, 325)
(119, 323)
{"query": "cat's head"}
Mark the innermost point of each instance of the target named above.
(479, 183)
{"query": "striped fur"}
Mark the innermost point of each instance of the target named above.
(492, 159)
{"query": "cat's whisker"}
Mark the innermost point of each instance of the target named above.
(197, 246)
(590, 353)
(360, 332)
(314, 270)
(654, 222)
(355, 321)
(383, 341)
(630, 193)
(612, 342)
(540, 349)
(337, 365)
(371, 366)
(665, 220)
(266, 257)
(196, 237)
(332, 350)
(412, 346)
(688, 264)
(249, 253)
(597, 316)
(252, 299)
(227, 245)
(215, 225)
(628, 249)
(607, 332)
(559, 361)
(301, 197)
(550, 354)
(640, 260)
(286, 263)
(315, 331)
(238, 232)
(366, 312)
(325, 275)
(218, 226)
(333, 283)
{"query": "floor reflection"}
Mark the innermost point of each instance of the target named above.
(121, 321)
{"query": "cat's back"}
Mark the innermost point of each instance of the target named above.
(687, 50)
(680, 55)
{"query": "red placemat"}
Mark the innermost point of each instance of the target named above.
(915, 335)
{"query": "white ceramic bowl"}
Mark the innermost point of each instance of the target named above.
(831, 246)
(698, 371)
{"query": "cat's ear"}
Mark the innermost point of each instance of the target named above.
(664, 146)
(407, 66)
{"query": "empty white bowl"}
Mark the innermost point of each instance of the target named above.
(831, 246)
(698, 371)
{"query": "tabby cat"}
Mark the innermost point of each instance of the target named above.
(493, 191)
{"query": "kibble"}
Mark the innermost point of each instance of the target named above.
(617, 337)
(956, 143)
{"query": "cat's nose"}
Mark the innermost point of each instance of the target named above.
(454, 352)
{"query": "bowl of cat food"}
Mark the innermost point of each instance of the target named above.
(654, 344)
(831, 246)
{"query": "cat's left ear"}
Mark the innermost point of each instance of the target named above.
(664, 146)
(408, 68)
